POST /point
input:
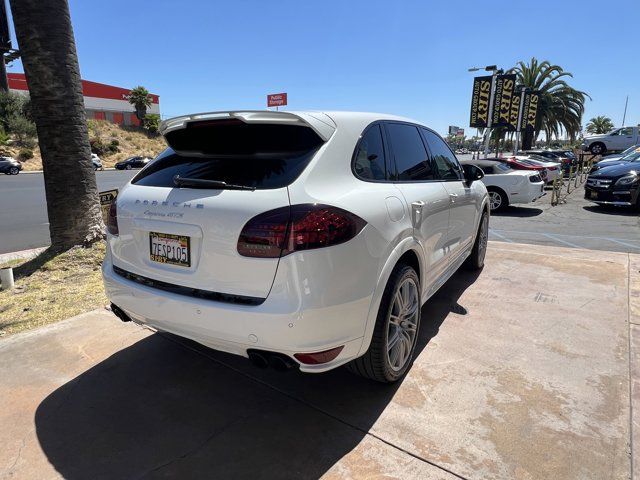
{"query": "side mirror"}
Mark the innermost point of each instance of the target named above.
(472, 173)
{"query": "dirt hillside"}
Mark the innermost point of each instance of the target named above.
(130, 141)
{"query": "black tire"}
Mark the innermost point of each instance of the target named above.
(475, 261)
(14, 171)
(375, 364)
(598, 148)
(128, 167)
(498, 200)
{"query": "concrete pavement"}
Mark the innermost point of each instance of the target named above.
(23, 210)
(522, 372)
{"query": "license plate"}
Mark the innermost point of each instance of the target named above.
(593, 194)
(170, 249)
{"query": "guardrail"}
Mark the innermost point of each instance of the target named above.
(575, 176)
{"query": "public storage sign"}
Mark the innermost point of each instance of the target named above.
(276, 99)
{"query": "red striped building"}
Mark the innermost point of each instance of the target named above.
(103, 102)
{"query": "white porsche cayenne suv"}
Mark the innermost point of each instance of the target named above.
(296, 239)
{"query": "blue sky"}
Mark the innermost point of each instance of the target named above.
(403, 57)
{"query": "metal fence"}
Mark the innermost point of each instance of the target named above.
(575, 176)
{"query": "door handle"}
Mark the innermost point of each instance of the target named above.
(452, 197)
(416, 209)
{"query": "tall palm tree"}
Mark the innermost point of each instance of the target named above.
(141, 100)
(48, 50)
(599, 124)
(560, 107)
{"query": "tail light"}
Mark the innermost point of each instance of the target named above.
(286, 230)
(112, 219)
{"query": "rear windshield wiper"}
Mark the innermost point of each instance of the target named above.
(204, 183)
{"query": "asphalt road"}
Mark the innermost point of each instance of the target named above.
(23, 210)
(578, 223)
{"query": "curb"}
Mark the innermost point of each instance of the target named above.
(30, 253)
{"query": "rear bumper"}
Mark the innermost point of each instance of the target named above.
(533, 193)
(296, 317)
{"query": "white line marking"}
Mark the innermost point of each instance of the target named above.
(500, 236)
(615, 240)
(622, 243)
(556, 239)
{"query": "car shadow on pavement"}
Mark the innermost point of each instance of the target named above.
(512, 211)
(612, 210)
(168, 407)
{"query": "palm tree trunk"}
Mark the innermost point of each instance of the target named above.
(527, 139)
(48, 50)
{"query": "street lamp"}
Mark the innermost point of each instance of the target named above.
(495, 72)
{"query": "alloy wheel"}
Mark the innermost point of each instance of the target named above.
(403, 324)
(13, 171)
(495, 200)
(483, 238)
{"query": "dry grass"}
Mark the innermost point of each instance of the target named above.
(132, 140)
(50, 288)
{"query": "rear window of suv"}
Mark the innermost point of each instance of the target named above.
(262, 156)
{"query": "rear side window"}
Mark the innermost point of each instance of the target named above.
(263, 156)
(412, 161)
(369, 161)
(444, 159)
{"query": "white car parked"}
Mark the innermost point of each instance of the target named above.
(507, 186)
(553, 169)
(297, 239)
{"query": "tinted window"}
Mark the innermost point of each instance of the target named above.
(487, 170)
(258, 155)
(409, 153)
(444, 160)
(259, 171)
(369, 162)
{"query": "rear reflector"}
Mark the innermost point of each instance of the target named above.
(318, 357)
(112, 219)
(300, 227)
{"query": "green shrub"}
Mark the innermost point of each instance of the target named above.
(13, 105)
(97, 146)
(25, 154)
(23, 129)
(4, 137)
(113, 146)
(152, 123)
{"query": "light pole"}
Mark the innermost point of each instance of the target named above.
(495, 72)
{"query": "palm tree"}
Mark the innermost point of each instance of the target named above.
(141, 100)
(560, 107)
(599, 124)
(48, 50)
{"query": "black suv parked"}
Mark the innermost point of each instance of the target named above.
(9, 166)
(615, 185)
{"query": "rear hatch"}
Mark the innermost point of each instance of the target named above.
(179, 227)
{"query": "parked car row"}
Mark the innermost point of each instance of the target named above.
(510, 181)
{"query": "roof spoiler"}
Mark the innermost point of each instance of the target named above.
(319, 122)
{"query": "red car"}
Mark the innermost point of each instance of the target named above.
(522, 164)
